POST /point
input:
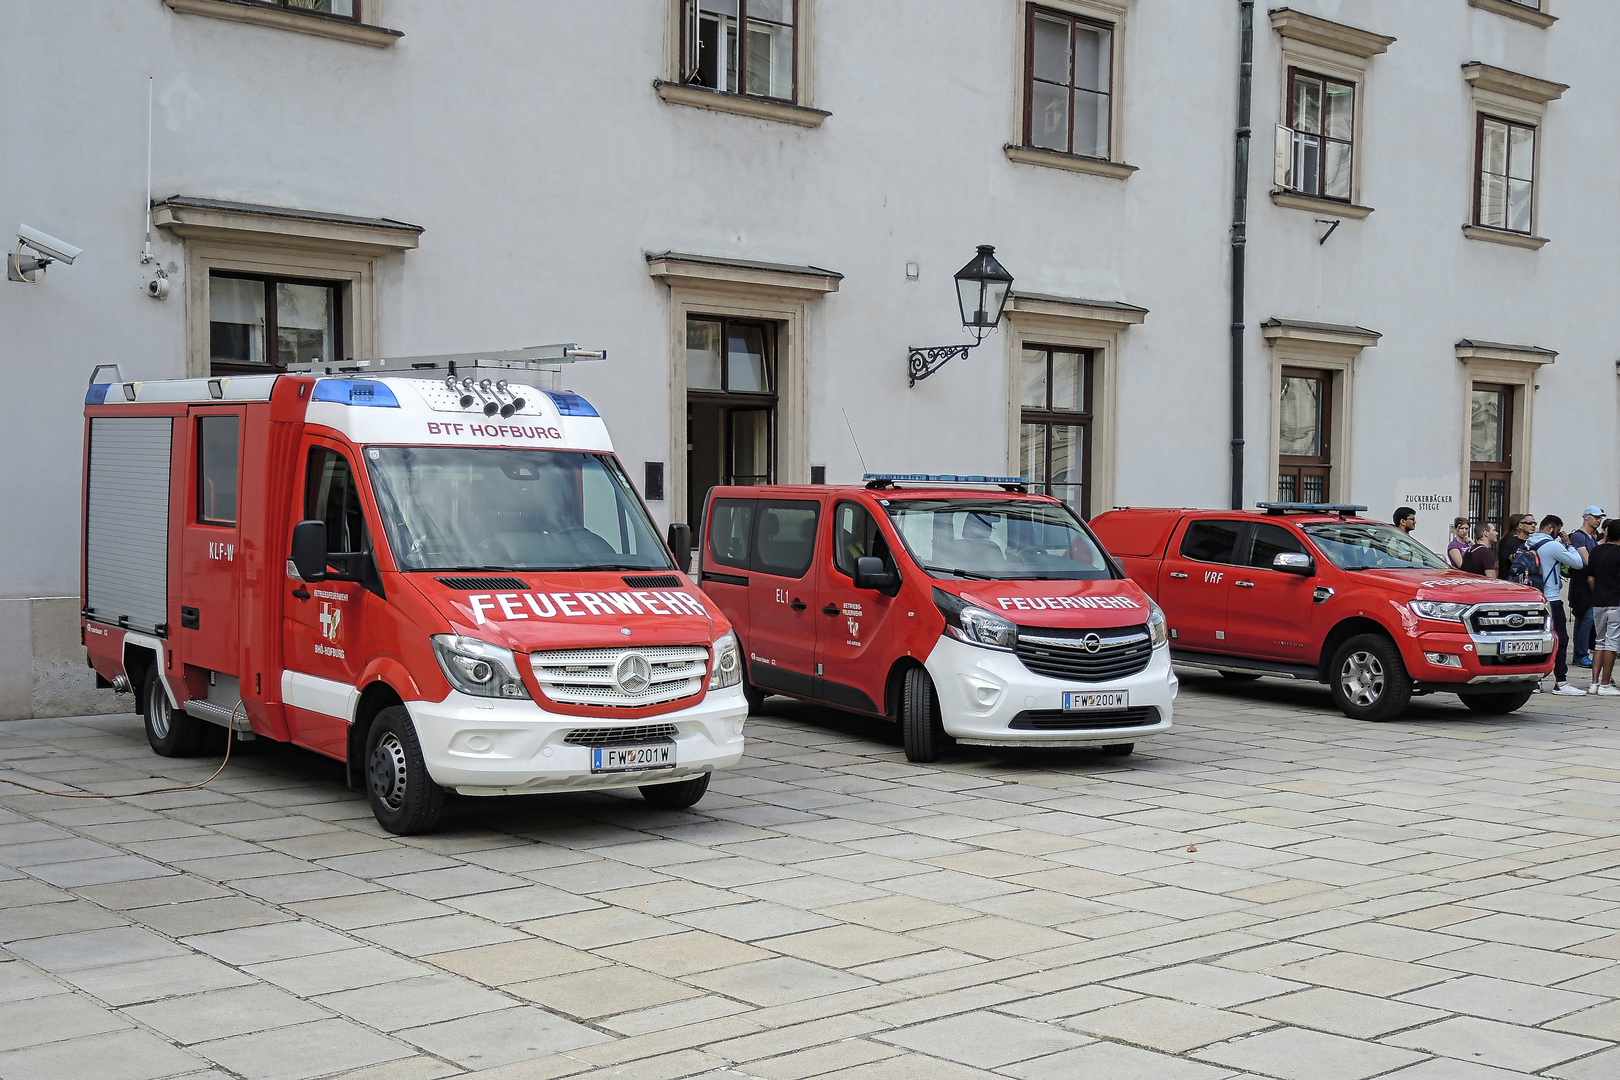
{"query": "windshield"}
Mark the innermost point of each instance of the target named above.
(1371, 545)
(1003, 539)
(448, 508)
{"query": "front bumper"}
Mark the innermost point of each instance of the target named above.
(1436, 658)
(982, 692)
(482, 746)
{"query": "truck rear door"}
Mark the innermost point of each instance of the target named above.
(1196, 582)
(209, 592)
(782, 617)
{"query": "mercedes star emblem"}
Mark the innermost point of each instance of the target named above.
(632, 674)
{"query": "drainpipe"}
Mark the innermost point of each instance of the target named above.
(1240, 238)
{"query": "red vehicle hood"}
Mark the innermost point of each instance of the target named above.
(1453, 588)
(576, 610)
(1079, 604)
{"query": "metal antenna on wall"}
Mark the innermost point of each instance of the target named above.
(146, 252)
(854, 440)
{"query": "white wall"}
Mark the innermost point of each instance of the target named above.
(527, 139)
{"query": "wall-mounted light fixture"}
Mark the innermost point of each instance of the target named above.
(981, 292)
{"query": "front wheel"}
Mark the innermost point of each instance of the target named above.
(677, 795)
(1498, 704)
(171, 732)
(1369, 679)
(920, 723)
(403, 796)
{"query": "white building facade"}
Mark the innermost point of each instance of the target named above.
(756, 207)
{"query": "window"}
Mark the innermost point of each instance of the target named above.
(1068, 83)
(1266, 542)
(1210, 541)
(1490, 451)
(731, 404)
(730, 526)
(1055, 423)
(217, 438)
(330, 495)
(1304, 436)
(266, 323)
(785, 539)
(855, 535)
(1318, 139)
(344, 9)
(740, 46)
(1504, 189)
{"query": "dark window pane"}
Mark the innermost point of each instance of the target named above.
(1210, 541)
(1269, 541)
(745, 360)
(217, 441)
(330, 495)
(306, 323)
(1032, 379)
(750, 446)
(855, 534)
(1093, 57)
(730, 525)
(785, 538)
(702, 354)
(1485, 425)
(1300, 428)
(1068, 382)
(1051, 48)
(236, 317)
(1049, 116)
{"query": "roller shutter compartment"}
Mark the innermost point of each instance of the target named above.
(126, 528)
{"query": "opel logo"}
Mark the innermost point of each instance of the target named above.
(1515, 621)
(1091, 643)
(632, 674)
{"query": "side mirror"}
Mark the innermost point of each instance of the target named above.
(309, 550)
(870, 573)
(680, 545)
(1294, 562)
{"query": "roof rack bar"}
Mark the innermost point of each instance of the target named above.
(535, 358)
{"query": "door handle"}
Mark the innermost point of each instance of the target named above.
(830, 609)
(1177, 574)
(301, 592)
(1244, 584)
(798, 605)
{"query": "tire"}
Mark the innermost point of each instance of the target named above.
(1498, 704)
(678, 795)
(1369, 680)
(753, 695)
(403, 796)
(920, 726)
(1239, 676)
(1119, 749)
(172, 732)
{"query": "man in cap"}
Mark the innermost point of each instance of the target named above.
(1585, 540)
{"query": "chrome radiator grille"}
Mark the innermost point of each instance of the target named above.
(1085, 655)
(626, 677)
(1507, 619)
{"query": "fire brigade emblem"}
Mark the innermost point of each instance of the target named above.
(854, 628)
(632, 674)
(330, 618)
(1091, 643)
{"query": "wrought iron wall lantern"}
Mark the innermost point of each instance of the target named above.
(981, 290)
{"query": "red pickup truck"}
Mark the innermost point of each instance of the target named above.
(1312, 591)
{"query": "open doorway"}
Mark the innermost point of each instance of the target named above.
(730, 405)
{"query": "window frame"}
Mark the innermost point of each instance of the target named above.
(200, 518)
(882, 539)
(684, 19)
(1241, 530)
(1485, 472)
(1300, 466)
(1481, 117)
(1032, 12)
(288, 5)
(272, 326)
(1048, 417)
(1107, 14)
(1295, 72)
(756, 561)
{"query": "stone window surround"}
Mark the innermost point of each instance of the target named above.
(1326, 347)
(1535, 16)
(1069, 322)
(1517, 366)
(1523, 99)
(770, 292)
(1112, 12)
(1318, 46)
(364, 32)
(285, 242)
(799, 112)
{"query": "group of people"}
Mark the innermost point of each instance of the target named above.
(1543, 555)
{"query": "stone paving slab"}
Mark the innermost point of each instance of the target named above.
(1271, 890)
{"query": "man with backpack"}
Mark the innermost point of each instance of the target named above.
(1536, 564)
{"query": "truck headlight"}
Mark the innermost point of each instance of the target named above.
(478, 668)
(975, 625)
(1156, 627)
(727, 663)
(1435, 609)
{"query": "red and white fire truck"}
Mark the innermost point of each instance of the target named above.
(425, 568)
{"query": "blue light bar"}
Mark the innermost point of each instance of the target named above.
(1341, 509)
(571, 404)
(97, 394)
(943, 478)
(355, 392)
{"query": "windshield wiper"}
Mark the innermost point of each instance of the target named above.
(958, 573)
(614, 566)
(468, 569)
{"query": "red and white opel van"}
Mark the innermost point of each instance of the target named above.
(965, 608)
(445, 580)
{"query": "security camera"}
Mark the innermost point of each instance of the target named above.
(46, 248)
(48, 245)
(157, 286)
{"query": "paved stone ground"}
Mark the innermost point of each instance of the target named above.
(1271, 890)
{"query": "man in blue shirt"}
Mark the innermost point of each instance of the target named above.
(1584, 540)
(1551, 545)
